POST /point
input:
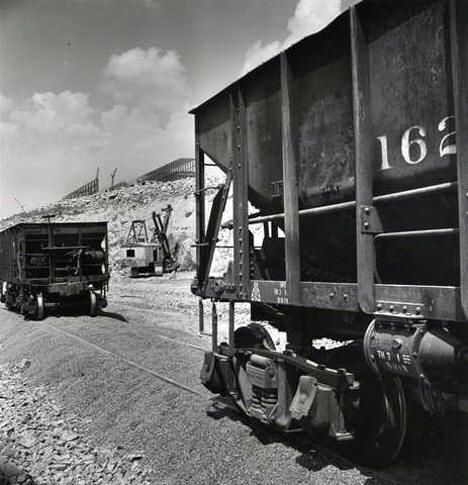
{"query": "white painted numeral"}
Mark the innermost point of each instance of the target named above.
(447, 146)
(384, 147)
(407, 143)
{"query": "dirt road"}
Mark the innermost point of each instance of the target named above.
(127, 384)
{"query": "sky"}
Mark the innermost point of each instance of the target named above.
(109, 83)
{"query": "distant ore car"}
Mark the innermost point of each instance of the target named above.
(45, 265)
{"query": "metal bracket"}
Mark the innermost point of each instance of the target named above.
(304, 397)
(276, 188)
(415, 311)
(370, 220)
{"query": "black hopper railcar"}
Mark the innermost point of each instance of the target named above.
(352, 148)
(46, 265)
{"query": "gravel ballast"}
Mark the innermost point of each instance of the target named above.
(37, 436)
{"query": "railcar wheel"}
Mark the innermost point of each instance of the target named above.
(10, 299)
(382, 421)
(255, 336)
(8, 304)
(39, 310)
(93, 306)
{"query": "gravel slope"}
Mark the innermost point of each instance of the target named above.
(118, 410)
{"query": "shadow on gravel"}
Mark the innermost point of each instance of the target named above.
(11, 475)
(423, 459)
(314, 455)
(77, 312)
(113, 315)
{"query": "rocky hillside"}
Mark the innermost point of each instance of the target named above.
(121, 206)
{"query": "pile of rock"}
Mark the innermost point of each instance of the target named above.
(50, 446)
(121, 206)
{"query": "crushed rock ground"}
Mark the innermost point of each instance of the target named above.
(39, 439)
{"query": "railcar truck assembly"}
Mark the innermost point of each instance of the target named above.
(352, 146)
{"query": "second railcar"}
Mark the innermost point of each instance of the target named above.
(45, 265)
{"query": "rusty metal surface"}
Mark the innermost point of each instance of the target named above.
(263, 109)
(429, 302)
(459, 38)
(214, 130)
(410, 136)
(321, 67)
(410, 101)
(409, 63)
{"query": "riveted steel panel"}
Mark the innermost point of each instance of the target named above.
(409, 141)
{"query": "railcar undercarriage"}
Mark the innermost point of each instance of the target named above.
(358, 392)
(35, 301)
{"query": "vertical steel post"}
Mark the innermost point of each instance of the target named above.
(199, 201)
(214, 326)
(240, 192)
(50, 243)
(231, 326)
(459, 51)
(107, 257)
(363, 162)
(201, 317)
(213, 227)
(290, 184)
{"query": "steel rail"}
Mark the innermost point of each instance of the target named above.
(178, 342)
(129, 362)
(164, 337)
(420, 191)
(418, 233)
(313, 211)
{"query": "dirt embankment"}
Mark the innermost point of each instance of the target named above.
(121, 206)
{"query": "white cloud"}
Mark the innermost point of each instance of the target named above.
(150, 78)
(148, 123)
(309, 16)
(7, 128)
(50, 143)
(140, 142)
(47, 140)
(5, 105)
(258, 53)
(61, 114)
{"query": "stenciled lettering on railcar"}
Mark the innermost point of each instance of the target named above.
(281, 293)
(255, 295)
(395, 362)
(414, 144)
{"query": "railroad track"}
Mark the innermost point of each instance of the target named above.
(173, 340)
(161, 336)
(131, 363)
